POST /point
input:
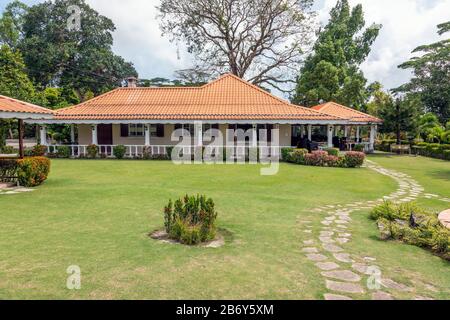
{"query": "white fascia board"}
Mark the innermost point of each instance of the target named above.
(292, 122)
(25, 116)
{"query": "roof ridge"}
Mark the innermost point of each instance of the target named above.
(363, 114)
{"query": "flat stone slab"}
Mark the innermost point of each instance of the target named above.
(326, 233)
(310, 250)
(444, 218)
(335, 297)
(327, 266)
(342, 275)
(308, 242)
(420, 298)
(344, 287)
(343, 257)
(332, 248)
(326, 240)
(342, 240)
(316, 257)
(382, 296)
(361, 268)
(391, 284)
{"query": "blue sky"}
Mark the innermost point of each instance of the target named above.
(406, 25)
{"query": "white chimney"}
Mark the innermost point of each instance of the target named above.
(132, 82)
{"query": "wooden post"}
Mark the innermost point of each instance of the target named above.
(21, 130)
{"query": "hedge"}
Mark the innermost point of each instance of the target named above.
(432, 150)
(33, 171)
(323, 158)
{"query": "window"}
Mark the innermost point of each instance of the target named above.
(188, 127)
(136, 130)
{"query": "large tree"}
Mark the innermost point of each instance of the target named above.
(58, 52)
(432, 75)
(259, 40)
(401, 116)
(14, 83)
(332, 71)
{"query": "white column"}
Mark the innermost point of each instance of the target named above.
(255, 136)
(373, 132)
(147, 135)
(310, 132)
(72, 133)
(198, 134)
(346, 131)
(330, 130)
(43, 135)
(94, 134)
(358, 134)
(302, 131)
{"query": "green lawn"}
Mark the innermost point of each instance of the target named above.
(97, 215)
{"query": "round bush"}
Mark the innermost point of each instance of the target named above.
(63, 152)
(354, 159)
(119, 151)
(191, 220)
(92, 151)
(39, 150)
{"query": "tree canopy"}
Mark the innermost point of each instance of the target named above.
(57, 55)
(332, 71)
(258, 40)
(432, 75)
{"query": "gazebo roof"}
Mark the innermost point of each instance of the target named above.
(15, 109)
(338, 110)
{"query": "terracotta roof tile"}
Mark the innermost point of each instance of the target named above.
(229, 97)
(16, 106)
(335, 109)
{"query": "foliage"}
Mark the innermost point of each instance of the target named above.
(431, 75)
(259, 40)
(297, 156)
(8, 170)
(332, 72)
(33, 171)
(332, 151)
(63, 152)
(285, 154)
(354, 159)
(92, 151)
(433, 150)
(8, 150)
(39, 150)
(401, 116)
(119, 151)
(359, 148)
(413, 225)
(70, 58)
(316, 158)
(191, 220)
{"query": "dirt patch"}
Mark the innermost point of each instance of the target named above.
(162, 236)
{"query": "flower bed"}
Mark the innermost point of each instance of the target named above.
(412, 225)
(328, 158)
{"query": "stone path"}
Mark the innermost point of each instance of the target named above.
(343, 272)
(14, 190)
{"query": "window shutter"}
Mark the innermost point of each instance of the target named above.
(178, 126)
(215, 126)
(160, 131)
(124, 130)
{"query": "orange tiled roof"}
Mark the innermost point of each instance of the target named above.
(228, 98)
(336, 109)
(16, 106)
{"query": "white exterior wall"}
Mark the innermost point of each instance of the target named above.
(85, 135)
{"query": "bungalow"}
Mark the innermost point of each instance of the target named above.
(146, 117)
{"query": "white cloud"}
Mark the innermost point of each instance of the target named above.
(406, 25)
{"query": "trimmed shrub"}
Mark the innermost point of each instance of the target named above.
(119, 151)
(334, 161)
(8, 150)
(354, 159)
(92, 151)
(191, 220)
(63, 152)
(8, 170)
(33, 171)
(39, 150)
(359, 148)
(316, 158)
(298, 156)
(332, 151)
(285, 154)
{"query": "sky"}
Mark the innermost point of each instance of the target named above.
(406, 25)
